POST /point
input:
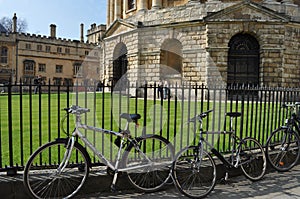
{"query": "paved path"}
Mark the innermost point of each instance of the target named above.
(274, 185)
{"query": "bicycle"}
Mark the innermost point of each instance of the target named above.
(194, 168)
(283, 145)
(58, 169)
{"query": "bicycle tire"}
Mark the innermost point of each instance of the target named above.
(252, 159)
(152, 177)
(41, 178)
(192, 179)
(283, 149)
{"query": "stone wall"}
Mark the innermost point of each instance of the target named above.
(205, 40)
(33, 47)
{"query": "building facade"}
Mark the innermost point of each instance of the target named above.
(58, 61)
(253, 43)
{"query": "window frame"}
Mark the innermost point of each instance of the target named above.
(59, 68)
(4, 55)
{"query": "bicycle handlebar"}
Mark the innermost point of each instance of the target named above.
(200, 116)
(76, 110)
(290, 105)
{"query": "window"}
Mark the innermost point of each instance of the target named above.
(28, 46)
(42, 68)
(86, 52)
(48, 49)
(59, 69)
(76, 70)
(29, 67)
(3, 55)
(131, 4)
(67, 50)
(39, 47)
(57, 81)
(68, 82)
(59, 50)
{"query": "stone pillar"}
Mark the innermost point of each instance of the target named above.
(111, 11)
(142, 5)
(108, 13)
(156, 4)
(117, 9)
(14, 25)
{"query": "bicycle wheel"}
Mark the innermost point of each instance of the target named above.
(43, 176)
(148, 162)
(252, 159)
(194, 174)
(283, 150)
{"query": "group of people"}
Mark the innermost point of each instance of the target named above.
(163, 91)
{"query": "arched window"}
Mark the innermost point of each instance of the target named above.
(243, 61)
(3, 55)
(171, 55)
(120, 62)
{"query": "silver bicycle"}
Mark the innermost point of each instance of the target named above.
(59, 169)
(195, 170)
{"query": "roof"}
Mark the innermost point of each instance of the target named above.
(2, 29)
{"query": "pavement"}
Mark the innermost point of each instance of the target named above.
(274, 185)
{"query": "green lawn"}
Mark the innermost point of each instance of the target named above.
(35, 122)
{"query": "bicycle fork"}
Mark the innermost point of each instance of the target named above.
(67, 155)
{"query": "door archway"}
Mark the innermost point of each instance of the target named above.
(243, 63)
(120, 62)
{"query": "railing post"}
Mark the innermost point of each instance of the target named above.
(11, 170)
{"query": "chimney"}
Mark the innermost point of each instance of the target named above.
(53, 31)
(14, 25)
(81, 32)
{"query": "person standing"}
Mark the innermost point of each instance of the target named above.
(37, 82)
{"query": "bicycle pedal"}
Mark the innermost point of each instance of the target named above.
(223, 181)
(113, 188)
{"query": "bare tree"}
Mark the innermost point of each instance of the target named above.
(7, 22)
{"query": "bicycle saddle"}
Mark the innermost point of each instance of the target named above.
(234, 114)
(130, 117)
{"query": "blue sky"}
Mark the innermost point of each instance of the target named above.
(66, 14)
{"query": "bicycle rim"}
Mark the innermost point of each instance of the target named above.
(252, 159)
(42, 177)
(283, 150)
(194, 174)
(149, 164)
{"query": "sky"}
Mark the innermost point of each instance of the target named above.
(67, 15)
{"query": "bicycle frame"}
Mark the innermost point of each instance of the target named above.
(293, 121)
(220, 156)
(216, 152)
(124, 136)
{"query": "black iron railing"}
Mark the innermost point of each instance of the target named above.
(28, 120)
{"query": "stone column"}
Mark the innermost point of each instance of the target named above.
(108, 13)
(156, 4)
(111, 11)
(142, 5)
(117, 9)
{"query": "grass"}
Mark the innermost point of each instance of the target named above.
(35, 121)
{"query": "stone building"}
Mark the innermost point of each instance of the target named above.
(204, 41)
(58, 61)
